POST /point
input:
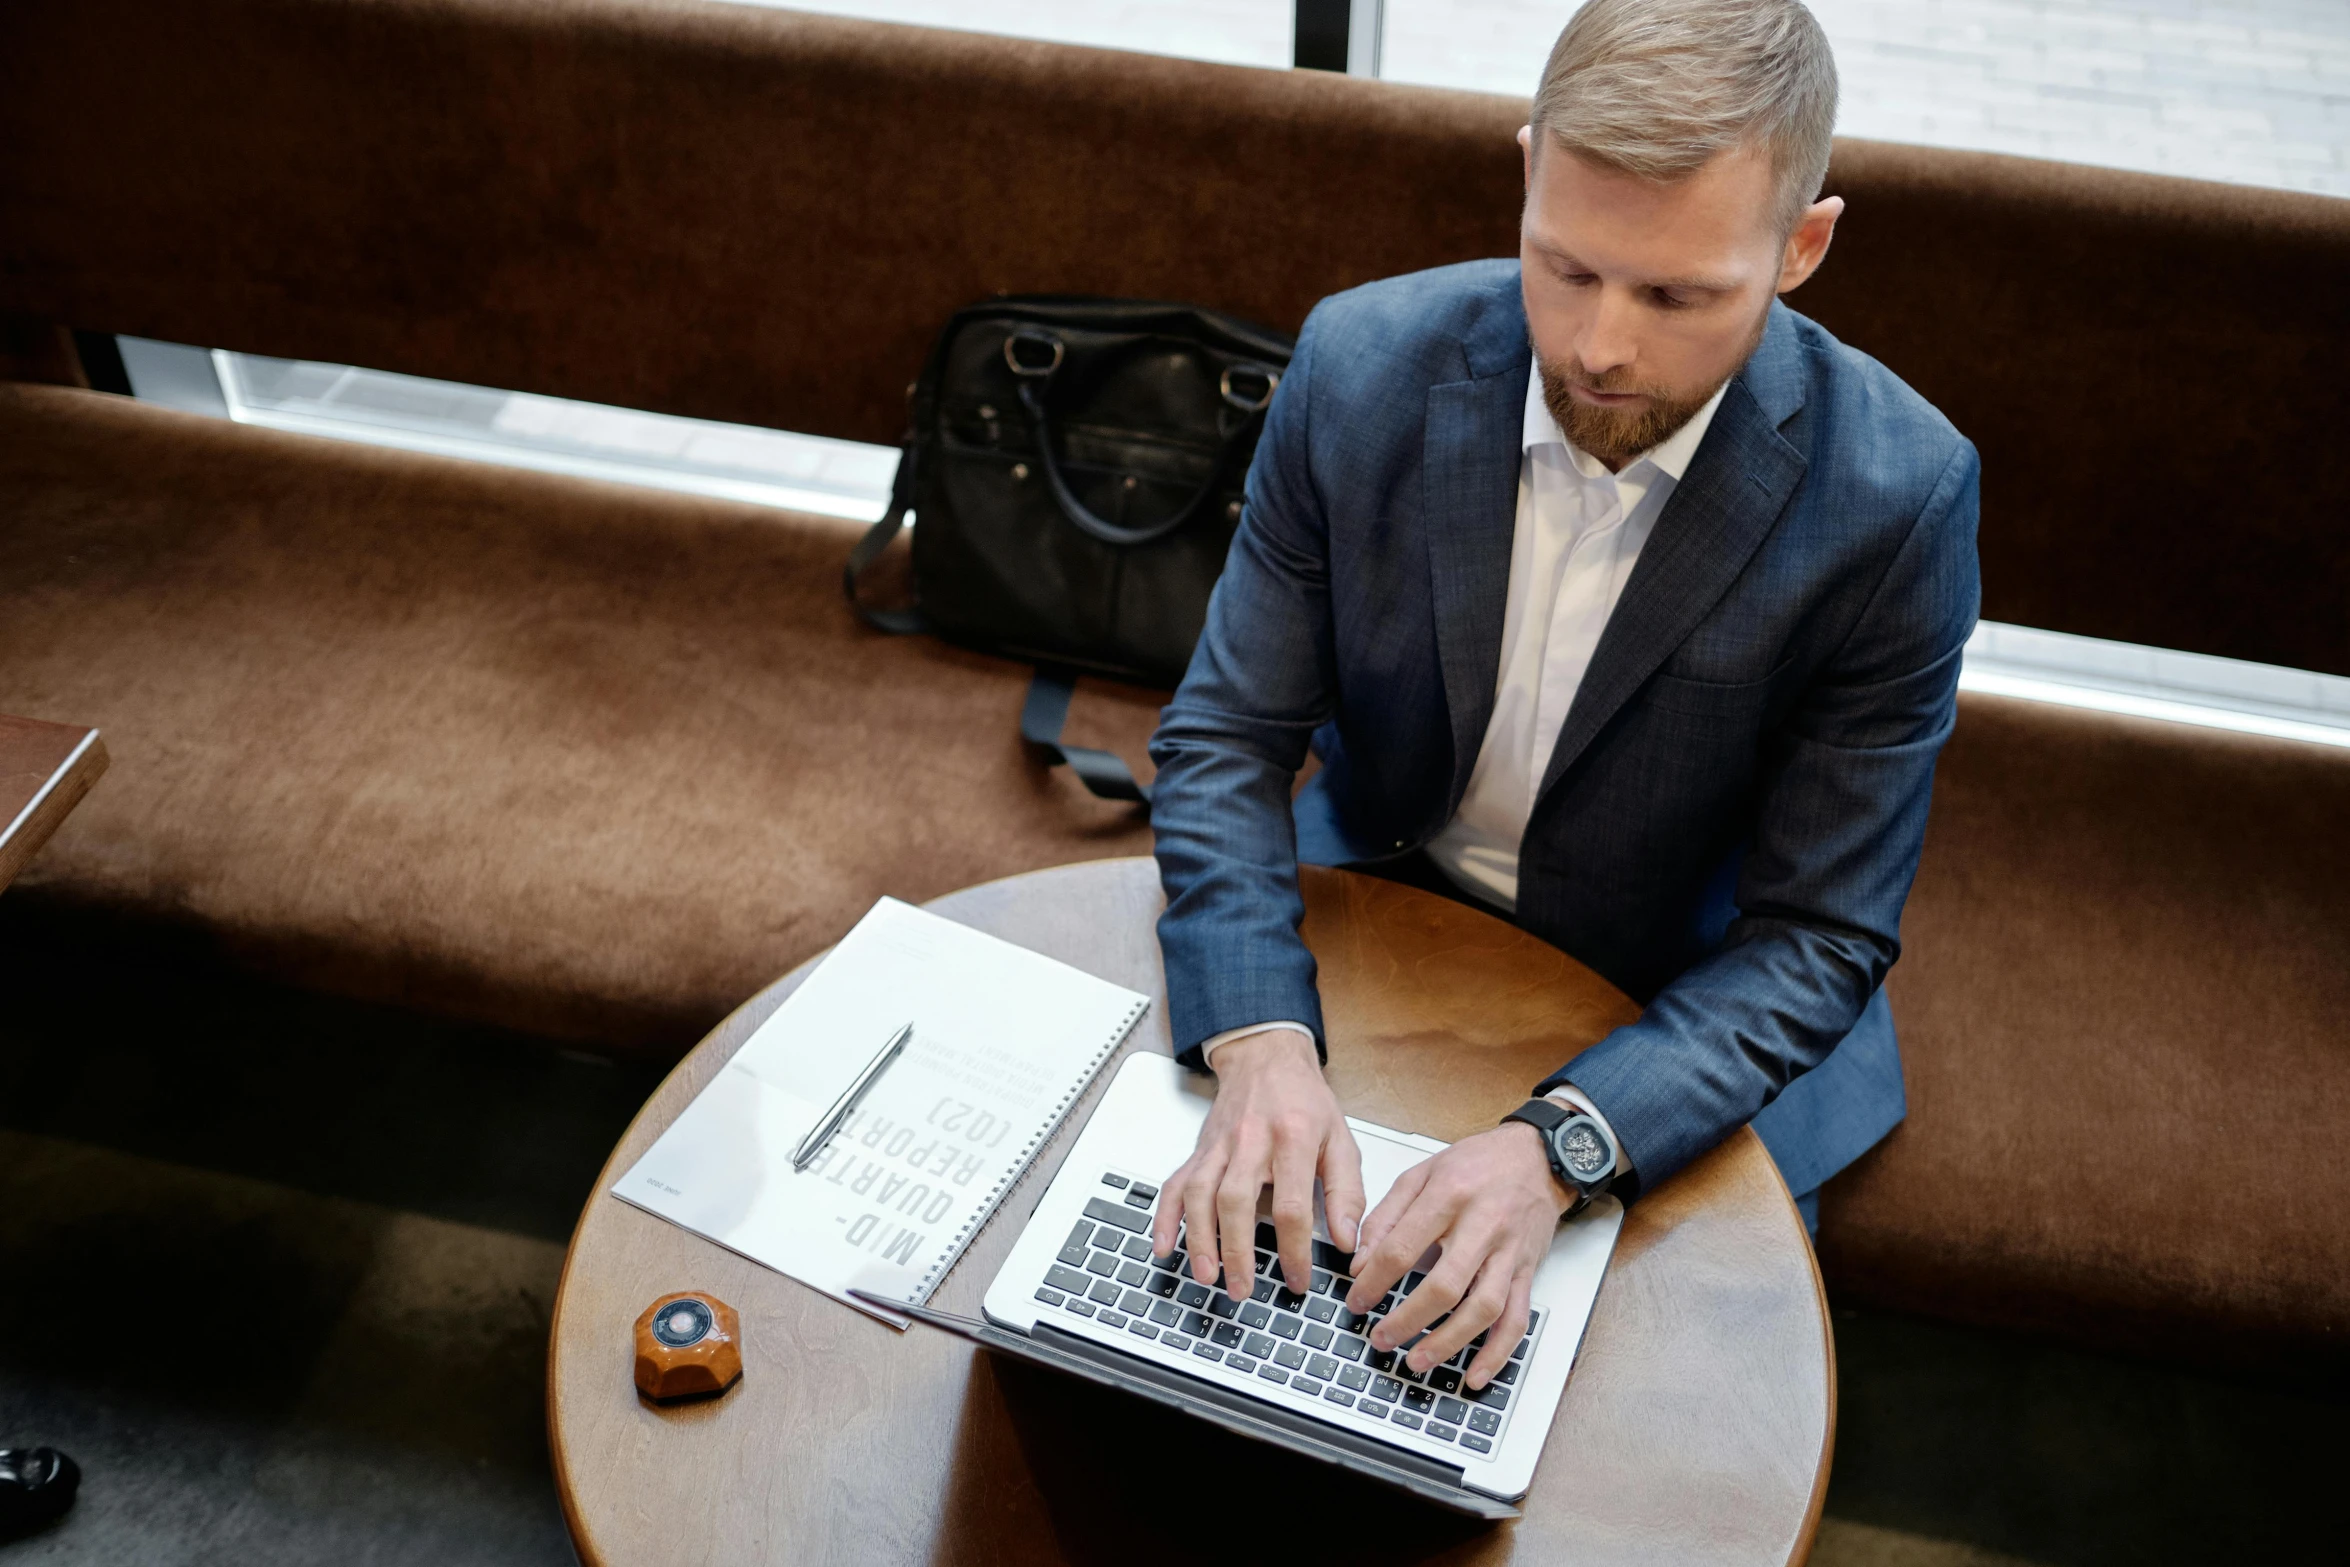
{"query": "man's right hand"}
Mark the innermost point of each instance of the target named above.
(1274, 1121)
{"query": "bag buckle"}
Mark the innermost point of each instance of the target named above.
(1031, 367)
(1254, 389)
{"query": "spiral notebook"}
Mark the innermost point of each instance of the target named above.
(1005, 1040)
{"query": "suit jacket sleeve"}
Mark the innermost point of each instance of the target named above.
(1230, 744)
(1840, 820)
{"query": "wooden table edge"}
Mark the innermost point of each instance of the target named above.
(606, 1177)
(573, 1524)
(22, 836)
(1808, 1536)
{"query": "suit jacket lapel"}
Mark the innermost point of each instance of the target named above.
(1716, 518)
(1475, 436)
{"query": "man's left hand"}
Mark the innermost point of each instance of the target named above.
(1492, 1203)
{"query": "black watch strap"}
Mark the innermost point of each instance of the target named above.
(1546, 1116)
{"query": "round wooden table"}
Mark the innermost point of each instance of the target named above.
(1696, 1427)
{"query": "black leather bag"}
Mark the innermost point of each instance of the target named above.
(1075, 468)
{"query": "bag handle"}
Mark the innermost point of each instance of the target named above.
(1036, 375)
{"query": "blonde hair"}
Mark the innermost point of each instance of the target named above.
(1656, 88)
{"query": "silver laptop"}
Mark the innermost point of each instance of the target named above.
(1291, 1366)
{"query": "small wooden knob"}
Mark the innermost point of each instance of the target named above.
(688, 1345)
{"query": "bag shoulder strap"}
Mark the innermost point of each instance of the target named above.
(1046, 713)
(897, 622)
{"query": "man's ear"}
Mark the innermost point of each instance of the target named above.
(1526, 152)
(1807, 247)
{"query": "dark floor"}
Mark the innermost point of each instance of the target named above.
(278, 1271)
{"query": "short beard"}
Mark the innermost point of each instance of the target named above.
(1616, 436)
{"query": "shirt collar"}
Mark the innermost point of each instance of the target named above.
(1670, 456)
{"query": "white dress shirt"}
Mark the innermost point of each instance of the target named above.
(1580, 530)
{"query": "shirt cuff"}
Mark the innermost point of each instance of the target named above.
(1569, 1095)
(1215, 1042)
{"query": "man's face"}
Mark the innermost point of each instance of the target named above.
(1644, 298)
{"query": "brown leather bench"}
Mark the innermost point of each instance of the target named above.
(583, 760)
(597, 762)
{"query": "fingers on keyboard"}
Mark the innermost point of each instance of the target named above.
(1302, 1339)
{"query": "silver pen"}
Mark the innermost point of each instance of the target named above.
(821, 1133)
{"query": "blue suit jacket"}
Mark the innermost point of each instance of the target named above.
(1731, 820)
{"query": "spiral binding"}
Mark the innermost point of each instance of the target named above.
(1026, 1157)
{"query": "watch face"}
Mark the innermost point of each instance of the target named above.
(1580, 1149)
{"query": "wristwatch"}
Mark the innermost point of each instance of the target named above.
(1581, 1154)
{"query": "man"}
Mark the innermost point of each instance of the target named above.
(1617, 597)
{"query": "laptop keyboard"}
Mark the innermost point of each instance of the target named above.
(1299, 1347)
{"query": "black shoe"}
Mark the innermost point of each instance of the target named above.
(36, 1487)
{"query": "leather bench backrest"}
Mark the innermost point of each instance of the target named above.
(2127, 954)
(757, 216)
